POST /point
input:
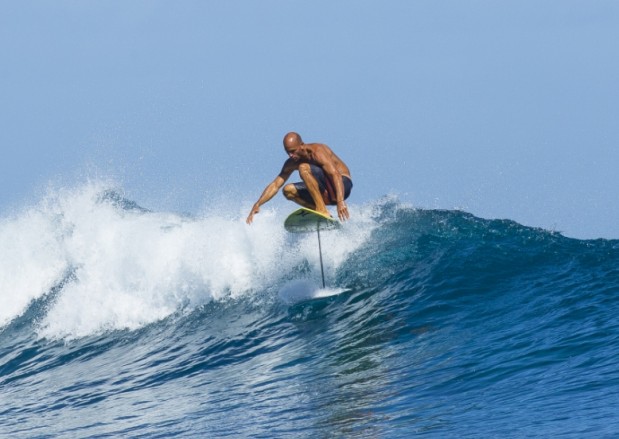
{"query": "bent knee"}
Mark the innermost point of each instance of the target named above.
(289, 191)
(304, 168)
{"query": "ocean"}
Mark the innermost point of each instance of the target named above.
(120, 321)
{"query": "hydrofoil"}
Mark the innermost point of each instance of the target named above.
(306, 220)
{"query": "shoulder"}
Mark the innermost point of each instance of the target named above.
(318, 146)
(320, 152)
(289, 166)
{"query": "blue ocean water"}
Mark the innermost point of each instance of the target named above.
(117, 321)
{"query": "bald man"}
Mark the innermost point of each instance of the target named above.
(326, 178)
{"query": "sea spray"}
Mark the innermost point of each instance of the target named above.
(131, 267)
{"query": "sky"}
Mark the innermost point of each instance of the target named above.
(505, 109)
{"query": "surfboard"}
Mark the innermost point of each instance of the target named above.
(306, 220)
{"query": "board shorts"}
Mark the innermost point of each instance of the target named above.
(326, 187)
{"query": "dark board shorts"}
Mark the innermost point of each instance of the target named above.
(324, 185)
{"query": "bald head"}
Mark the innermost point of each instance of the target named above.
(292, 140)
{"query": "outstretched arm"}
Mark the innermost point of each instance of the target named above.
(270, 191)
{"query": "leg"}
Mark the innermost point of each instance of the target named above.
(290, 192)
(308, 178)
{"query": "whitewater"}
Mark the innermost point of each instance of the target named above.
(120, 321)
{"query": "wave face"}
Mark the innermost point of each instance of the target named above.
(119, 321)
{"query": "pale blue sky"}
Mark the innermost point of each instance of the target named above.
(507, 109)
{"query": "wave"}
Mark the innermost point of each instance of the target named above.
(434, 322)
(101, 262)
(112, 264)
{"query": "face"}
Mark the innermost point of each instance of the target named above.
(294, 152)
(294, 147)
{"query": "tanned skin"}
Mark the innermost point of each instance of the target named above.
(300, 157)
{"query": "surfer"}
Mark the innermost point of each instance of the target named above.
(326, 178)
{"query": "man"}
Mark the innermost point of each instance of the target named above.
(326, 178)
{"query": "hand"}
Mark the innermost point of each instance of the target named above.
(342, 211)
(254, 210)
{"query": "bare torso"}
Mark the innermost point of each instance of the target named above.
(320, 155)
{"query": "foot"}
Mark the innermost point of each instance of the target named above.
(325, 213)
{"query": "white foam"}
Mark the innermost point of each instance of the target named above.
(303, 289)
(132, 268)
(31, 261)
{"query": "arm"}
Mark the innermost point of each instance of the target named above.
(270, 191)
(324, 158)
(336, 178)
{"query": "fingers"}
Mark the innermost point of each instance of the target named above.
(342, 212)
(250, 217)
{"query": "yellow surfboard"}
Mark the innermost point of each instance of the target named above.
(306, 220)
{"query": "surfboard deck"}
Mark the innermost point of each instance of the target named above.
(306, 220)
